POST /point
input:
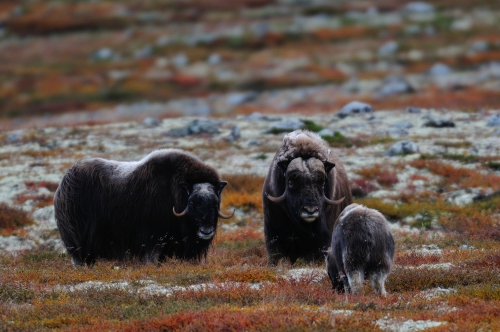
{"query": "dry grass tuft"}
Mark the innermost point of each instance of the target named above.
(12, 218)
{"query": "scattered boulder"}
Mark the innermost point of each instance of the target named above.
(285, 126)
(439, 69)
(180, 60)
(402, 148)
(355, 107)
(414, 110)
(326, 132)
(494, 121)
(240, 98)
(439, 123)
(402, 125)
(103, 54)
(150, 122)
(387, 49)
(234, 135)
(196, 127)
(418, 7)
(395, 85)
(214, 59)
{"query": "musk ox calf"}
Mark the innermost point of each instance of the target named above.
(305, 190)
(362, 247)
(165, 205)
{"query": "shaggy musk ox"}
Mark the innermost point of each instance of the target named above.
(165, 205)
(362, 247)
(303, 194)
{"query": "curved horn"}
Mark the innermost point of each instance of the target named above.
(277, 199)
(226, 216)
(179, 214)
(331, 202)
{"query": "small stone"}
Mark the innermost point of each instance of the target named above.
(414, 110)
(402, 148)
(387, 49)
(439, 123)
(214, 59)
(180, 60)
(480, 46)
(150, 122)
(440, 69)
(196, 127)
(285, 126)
(394, 85)
(494, 121)
(355, 107)
(402, 125)
(235, 134)
(418, 7)
(104, 53)
(239, 98)
(325, 132)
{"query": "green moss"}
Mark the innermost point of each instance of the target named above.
(338, 140)
(311, 125)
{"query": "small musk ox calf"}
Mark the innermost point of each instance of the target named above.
(362, 246)
(119, 210)
(303, 194)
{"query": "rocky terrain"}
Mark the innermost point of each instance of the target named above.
(405, 92)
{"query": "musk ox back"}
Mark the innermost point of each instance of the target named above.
(165, 205)
(305, 190)
(362, 246)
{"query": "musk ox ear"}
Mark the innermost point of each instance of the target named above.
(283, 165)
(328, 166)
(221, 186)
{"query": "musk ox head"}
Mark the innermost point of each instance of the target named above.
(202, 209)
(305, 181)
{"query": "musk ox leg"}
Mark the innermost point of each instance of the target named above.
(377, 281)
(356, 279)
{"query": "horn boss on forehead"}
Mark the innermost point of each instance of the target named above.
(304, 192)
(165, 205)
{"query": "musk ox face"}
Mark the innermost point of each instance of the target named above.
(203, 207)
(305, 187)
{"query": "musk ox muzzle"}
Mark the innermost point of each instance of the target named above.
(203, 206)
(305, 187)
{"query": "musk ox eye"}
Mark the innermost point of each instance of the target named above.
(290, 183)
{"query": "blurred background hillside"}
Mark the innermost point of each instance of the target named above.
(101, 61)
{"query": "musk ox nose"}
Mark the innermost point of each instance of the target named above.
(309, 213)
(206, 233)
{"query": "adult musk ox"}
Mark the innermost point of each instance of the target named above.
(305, 190)
(362, 247)
(165, 205)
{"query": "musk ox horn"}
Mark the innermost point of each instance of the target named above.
(226, 216)
(179, 214)
(277, 199)
(331, 202)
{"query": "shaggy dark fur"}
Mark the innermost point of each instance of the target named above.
(362, 247)
(298, 220)
(120, 210)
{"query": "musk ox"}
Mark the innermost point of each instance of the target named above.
(165, 205)
(362, 247)
(305, 190)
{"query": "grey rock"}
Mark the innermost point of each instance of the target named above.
(440, 69)
(285, 126)
(239, 98)
(214, 59)
(439, 123)
(466, 247)
(494, 121)
(355, 107)
(196, 127)
(102, 54)
(14, 138)
(414, 110)
(395, 85)
(402, 125)
(180, 60)
(150, 122)
(480, 46)
(144, 52)
(418, 7)
(397, 132)
(402, 148)
(389, 48)
(235, 134)
(325, 132)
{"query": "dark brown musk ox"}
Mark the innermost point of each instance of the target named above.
(165, 205)
(305, 190)
(362, 247)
